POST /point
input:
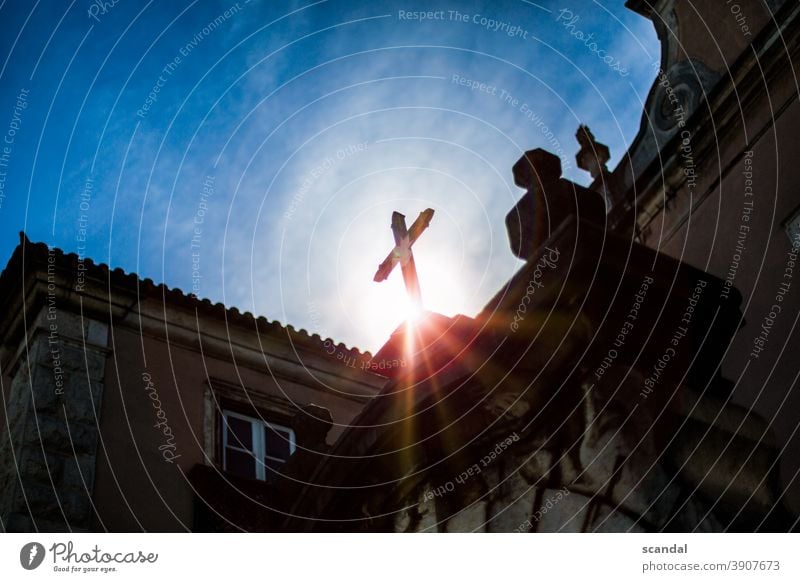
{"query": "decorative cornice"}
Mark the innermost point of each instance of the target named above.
(715, 120)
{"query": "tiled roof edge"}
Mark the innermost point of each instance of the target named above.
(36, 253)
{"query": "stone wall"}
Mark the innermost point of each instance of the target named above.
(48, 452)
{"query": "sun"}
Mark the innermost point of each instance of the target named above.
(383, 307)
(414, 311)
(372, 309)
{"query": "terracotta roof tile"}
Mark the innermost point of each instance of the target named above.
(36, 254)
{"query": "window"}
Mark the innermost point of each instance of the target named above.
(254, 448)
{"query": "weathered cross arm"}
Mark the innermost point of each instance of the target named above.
(406, 257)
(420, 224)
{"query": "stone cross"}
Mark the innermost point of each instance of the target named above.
(593, 156)
(401, 253)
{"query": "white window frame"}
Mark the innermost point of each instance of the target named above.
(257, 426)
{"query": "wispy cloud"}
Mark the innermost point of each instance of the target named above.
(316, 121)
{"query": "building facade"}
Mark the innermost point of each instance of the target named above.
(119, 392)
(634, 375)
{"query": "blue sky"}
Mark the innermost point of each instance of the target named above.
(264, 145)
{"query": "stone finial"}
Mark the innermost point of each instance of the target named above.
(539, 172)
(535, 168)
(549, 199)
(592, 156)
